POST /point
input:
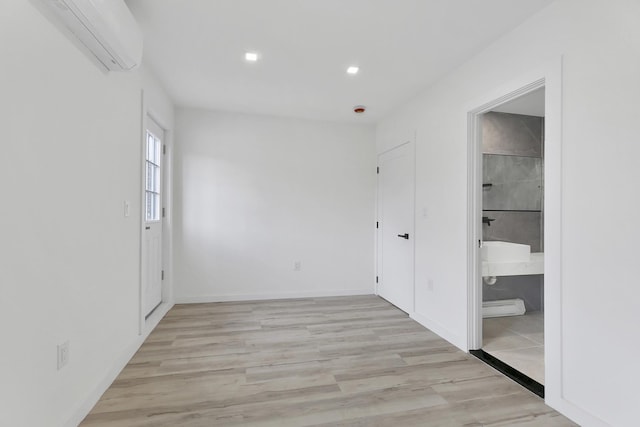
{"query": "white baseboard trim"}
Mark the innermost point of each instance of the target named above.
(85, 407)
(284, 295)
(574, 413)
(440, 330)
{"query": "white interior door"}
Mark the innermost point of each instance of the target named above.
(152, 218)
(396, 196)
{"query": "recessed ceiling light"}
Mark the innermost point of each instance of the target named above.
(353, 70)
(251, 56)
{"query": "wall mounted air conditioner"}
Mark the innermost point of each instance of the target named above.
(106, 27)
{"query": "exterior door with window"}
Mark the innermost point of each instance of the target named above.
(152, 218)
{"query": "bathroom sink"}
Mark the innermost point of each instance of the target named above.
(496, 251)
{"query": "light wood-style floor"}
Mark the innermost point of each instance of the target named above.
(344, 361)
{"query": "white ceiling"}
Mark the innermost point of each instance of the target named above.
(196, 48)
(531, 104)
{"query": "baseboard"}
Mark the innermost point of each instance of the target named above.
(575, 413)
(85, 407)
(440, 330)
(284, 295)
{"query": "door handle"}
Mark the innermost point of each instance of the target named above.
(148, 227)
(404, 236)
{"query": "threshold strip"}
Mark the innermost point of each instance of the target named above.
(527, 382)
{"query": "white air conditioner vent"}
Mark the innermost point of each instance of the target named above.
(106, 27)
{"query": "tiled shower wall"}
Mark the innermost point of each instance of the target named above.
(513, 164)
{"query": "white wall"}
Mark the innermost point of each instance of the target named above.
(254, 194)
(600, 41)
(69, 259)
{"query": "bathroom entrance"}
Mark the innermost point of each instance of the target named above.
(511, 247)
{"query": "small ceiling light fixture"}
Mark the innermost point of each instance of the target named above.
(353, 70)
(359, 109)
(251, 56)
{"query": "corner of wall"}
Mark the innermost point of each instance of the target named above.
(441, 330)
(85, 407)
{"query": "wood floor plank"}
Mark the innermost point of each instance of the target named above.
(339, 361)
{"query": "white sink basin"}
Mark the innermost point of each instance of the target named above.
(504, 252)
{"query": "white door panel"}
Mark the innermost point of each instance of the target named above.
(153, 269)
(152, 218)
(396, 226)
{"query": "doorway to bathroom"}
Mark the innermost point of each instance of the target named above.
(510, 198)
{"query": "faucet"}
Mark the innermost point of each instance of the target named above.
(487, 220)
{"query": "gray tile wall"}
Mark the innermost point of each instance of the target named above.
(512, 134)
(516, 183)
(513, 162)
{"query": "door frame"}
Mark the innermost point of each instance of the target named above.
(378, 253)
(549, 76)
(147, 323)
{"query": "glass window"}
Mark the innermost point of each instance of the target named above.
(152, 178)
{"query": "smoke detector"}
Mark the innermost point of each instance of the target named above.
(359, 109)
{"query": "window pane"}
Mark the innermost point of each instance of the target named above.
(148, 206)
(149, 146)
(154, 151)
(152, 213)
(152, 206)
(149, 177)
(152, 177)
(157, 152)
(156, 179)
(156, 207)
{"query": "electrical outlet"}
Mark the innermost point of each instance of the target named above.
(297, 266)
(430, 284)
(63, 354)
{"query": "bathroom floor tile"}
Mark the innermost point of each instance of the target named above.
(530, 323)
(538, 338)
(508, 342)
(518, 341)
(529, 361)
(495, 327)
